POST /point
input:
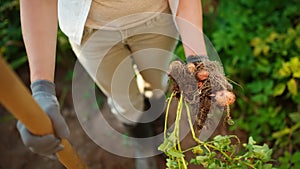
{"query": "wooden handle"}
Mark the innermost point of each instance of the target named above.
(17, 99)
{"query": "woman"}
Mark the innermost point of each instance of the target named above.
(106, 36)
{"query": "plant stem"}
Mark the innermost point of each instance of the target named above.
(190, 122)
(192, 128)
(177, 127)
(196, 139)
(167, 114)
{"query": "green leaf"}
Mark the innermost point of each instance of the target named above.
(279, 89)
(202, 159)
(295, 66)
(165, 145)
(197, 150)
(267, 166)
(292, 86)
(221, 141)
(268, 86)
(175, 153)
(168, 143)
(255, 87)
(194, 161)
(262, 152)
(296, 158)
(171, 164)
(260, 98)
(212, 165)
(251, 141)
(296, 98)
(285, 160)
(284, 71)
(295, 117)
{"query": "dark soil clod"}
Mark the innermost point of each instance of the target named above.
(199, 92)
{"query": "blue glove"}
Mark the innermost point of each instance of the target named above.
(196, 58)
(43, 93)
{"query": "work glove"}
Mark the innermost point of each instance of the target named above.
(193, 62)
(185, 77)
(43, 92)
(196, 59)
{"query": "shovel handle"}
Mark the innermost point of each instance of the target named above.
(17, 99)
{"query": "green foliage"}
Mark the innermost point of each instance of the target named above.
(11, 45)
(290, 161)
(220, 152)
(259, 44)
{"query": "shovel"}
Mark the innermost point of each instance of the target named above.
(17, 99)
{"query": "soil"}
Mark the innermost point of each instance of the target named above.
(14, 155)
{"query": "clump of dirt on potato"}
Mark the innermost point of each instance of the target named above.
(202, 84)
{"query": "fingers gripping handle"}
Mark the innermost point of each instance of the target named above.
(17, 99)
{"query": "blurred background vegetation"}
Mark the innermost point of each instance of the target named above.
(259, 45)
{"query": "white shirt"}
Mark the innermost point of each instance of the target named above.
(72, 15)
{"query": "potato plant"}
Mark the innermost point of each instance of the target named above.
(220, 152)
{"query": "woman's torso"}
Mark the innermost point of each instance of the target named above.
(118, 14)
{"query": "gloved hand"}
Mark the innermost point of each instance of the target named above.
(194, 61)
(43, 92)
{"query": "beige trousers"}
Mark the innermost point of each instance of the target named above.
(108, 56)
